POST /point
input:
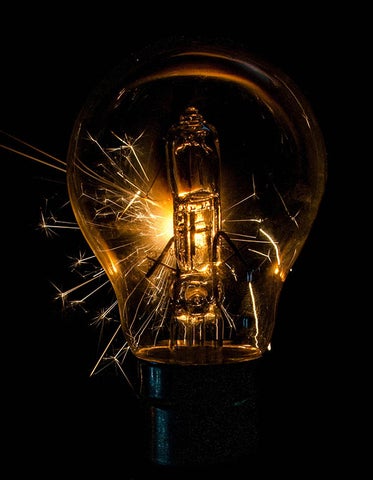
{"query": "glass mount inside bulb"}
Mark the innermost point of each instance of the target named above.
(195, 176)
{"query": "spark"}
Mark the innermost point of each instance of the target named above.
(82, 259)
(274, 245)
(130, 145)
(102, 356)
(50, 224)
(63, 295)
(292, 217)
(252, 195)
(103, 316)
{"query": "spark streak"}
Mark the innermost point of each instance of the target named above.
(32, 157)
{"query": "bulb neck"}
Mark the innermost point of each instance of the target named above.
(199, 414)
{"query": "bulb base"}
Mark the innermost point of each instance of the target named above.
(199, 414)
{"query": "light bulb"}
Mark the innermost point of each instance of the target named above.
(195, 173)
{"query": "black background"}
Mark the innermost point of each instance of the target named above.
(63, 421)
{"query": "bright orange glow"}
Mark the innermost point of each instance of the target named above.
(166, 223)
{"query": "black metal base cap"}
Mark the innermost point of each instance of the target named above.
(198, 415)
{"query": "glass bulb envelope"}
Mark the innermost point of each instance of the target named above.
(195, 174)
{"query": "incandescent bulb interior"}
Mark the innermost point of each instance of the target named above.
(195, 174)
